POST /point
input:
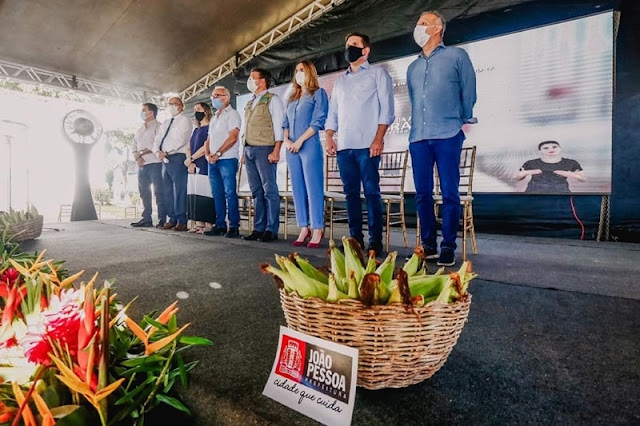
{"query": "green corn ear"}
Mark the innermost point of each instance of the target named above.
(334, 294)
(428, 285)
(306, 287)
(445, 293)
(310, 270)
(352, 261)
(336, 261)
(412, 266)
(371, 264)
(385, 270)
(353, 286)
(282, 278)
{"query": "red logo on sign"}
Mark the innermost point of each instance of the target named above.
(291, 360)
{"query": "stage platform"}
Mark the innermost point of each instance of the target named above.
(553, 335)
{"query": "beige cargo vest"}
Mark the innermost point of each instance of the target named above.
(259, 123)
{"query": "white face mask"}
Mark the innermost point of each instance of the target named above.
(252, 85)
(173, 110)
(300, 78)
(420, 35)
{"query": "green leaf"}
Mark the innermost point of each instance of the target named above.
(182, 370)
(129, 396)
(173, 324)
(79, 416)
(155, 323)
(168, 387)
(133, 362)
(173, 402)
(194, 340)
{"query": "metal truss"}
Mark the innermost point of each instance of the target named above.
(294, 23)
(28, 74)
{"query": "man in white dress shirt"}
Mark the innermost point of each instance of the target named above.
(150, 167)
(170, 146)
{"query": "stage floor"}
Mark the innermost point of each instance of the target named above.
(552, 336)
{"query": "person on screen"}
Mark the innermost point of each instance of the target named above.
(361, 109)
(305, 117)
(262, 136)
(442, 92)
(550, 172)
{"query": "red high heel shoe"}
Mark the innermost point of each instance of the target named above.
(316, 245)
(298, 243)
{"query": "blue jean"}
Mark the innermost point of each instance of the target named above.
(445, 153)
(307, 183)
(174, 177)
(222, 176)
(357, 166)
(262, 177)
(151, 174)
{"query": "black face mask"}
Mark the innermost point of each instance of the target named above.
(353, 53)
(199, 115)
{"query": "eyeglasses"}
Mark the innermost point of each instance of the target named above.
(175, 104)
(216, 96)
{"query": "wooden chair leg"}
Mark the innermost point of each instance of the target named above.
(388, 239)
(286, 218)
(331, 219)
(472, 229)
(404, 224)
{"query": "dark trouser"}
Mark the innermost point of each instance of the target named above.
(222, 176)
(264, 187)
(357, 166)
(445, 153)
(174, 177)
(151, 174)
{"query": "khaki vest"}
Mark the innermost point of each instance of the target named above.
(259, 123)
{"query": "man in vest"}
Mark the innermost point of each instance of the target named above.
(263, 134)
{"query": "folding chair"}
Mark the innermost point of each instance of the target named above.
(467, 165)
(393, 169)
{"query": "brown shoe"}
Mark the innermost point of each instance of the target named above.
(169, 225)
(180, 227)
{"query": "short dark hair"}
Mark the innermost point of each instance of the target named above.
(151, 107)
(541, 144)
(264, 74)
(366, 41)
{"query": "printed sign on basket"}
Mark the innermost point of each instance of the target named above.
(315, 377)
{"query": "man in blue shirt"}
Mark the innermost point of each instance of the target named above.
(442, 91)
(361, 109)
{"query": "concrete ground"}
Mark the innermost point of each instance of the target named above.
(552, 336)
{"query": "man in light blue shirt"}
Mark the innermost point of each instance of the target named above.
(442, 91)
(361, 109)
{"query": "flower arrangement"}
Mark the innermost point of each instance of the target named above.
(70, 353)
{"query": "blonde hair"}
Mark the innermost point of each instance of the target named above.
(310, 80)
(224, 89)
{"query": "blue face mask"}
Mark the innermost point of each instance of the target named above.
(216, 103)
(143, 115)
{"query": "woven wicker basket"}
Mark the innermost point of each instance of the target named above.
(24, 231)
(396, 349)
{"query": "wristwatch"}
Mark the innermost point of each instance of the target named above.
(218, 154)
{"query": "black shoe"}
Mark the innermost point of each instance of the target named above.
(232, 233)
(447, 257)
(142, 224)
(268, 236)
(215, 231)
(254, 236)
(376, 247)
(430, 253)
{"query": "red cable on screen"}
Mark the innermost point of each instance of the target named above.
(573, 209)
